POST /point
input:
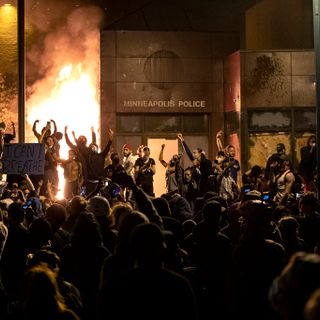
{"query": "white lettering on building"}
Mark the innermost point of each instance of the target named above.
(165, 103)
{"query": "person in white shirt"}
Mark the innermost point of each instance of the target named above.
(128, 159)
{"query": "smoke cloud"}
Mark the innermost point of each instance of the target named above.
(75, 38)
(70, 39)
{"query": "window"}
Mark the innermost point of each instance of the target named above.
(269, 121)
(129, 124)
(195, 123)
(305, 120)
(162, 123)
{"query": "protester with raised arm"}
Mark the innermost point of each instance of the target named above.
(174, 172)
(198, 158)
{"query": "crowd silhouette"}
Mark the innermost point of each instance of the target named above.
(216, 245)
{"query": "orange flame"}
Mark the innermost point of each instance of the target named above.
(71, 102)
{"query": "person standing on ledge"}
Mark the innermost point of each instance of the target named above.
(199, 159)
(233, 163)
(145, 168)
(272, 166)
(308, 162)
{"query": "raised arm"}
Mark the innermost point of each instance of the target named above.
(29, 182)
(105, 151)
(219, 136)
(34, 130)
(164, 163)
(40, 183)
(44, 132)
(93, 136)
(74, 137)
(55, 129)
(185, 147)
(69, 143)
(144, 203)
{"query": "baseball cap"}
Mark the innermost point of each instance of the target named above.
(127, 146)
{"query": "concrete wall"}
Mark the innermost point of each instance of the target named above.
(278, 98)
(278, 79)
(279, 24)
(161, 72)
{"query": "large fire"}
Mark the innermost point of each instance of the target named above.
(71, 101)
(66, 64)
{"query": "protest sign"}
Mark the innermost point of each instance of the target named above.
(22, 158)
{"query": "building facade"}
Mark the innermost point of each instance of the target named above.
(270, 97)
(156, 84)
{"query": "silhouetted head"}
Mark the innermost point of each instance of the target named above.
(298, 280)
(94, 147)
(148, 245)
(211, 212)
(126, 149)
(56, 215)
(280, 148)
(230, 151)
(312, 141)
(256, 171)
(115, 158)
(59, 135)
(82, 140)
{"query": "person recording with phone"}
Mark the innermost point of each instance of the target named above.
(145, 168)
(45, 131)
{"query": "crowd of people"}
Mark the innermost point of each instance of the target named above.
(217, 244)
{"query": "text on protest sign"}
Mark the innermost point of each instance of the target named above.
(21, 158)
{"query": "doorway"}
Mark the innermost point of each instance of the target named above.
(171, 148)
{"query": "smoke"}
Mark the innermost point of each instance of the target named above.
(73, 39)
